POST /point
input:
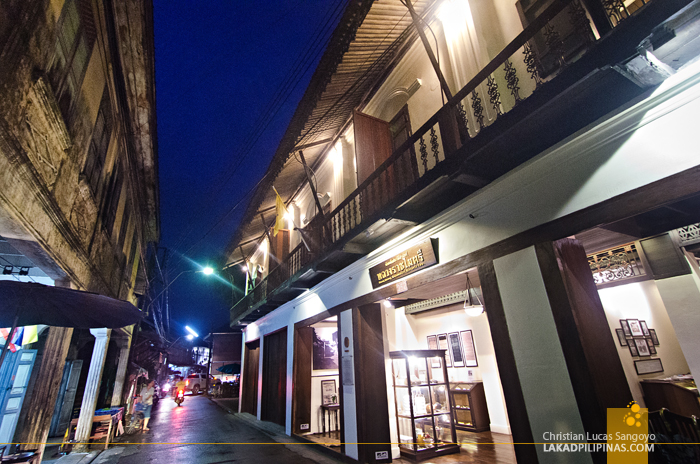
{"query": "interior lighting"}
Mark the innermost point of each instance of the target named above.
(473, 309)
(387, 304)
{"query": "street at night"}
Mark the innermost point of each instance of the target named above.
(204, 432)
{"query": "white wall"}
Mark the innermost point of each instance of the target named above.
(641, 300)
(410, 332)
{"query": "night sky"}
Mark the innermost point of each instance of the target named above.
(220, 65)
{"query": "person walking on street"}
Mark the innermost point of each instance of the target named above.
(147, 393)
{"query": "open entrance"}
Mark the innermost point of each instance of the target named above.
(444, 389)
(316, 403)
(649, 291)
(249, 398)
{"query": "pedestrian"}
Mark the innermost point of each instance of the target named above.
(147, 393)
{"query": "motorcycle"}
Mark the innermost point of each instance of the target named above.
(180, 397)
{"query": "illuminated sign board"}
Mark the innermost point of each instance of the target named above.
(414, 259)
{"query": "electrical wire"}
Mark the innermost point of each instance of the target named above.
(271, 111)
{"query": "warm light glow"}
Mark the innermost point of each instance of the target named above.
(192, 332)
(208, 271)
(473, 311)
(337, 157)
(455, 15)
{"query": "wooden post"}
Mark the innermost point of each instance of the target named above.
(43, 400)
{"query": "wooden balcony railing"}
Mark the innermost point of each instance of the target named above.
(540, 50)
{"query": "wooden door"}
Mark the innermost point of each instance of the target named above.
(372, 144)
(274, 378)
(15, 385)
(301, 402)
(249, 395)
(66, 397)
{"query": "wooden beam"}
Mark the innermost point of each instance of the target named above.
(418, 23)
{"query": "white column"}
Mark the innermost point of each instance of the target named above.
(124, 345)
(549, 396)
(681, 297)
(92, 388)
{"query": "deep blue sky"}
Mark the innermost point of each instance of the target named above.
(218, 66)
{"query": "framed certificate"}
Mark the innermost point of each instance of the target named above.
(468, 348)
(455, 349)
(442, 345)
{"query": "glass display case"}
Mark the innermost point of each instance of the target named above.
(423, 404)
(469, 407)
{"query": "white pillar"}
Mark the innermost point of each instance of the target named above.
(92, 388)
(124, 345)
(546, 386)
(681, 297)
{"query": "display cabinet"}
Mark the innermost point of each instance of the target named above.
(469, 407)
(422, 398)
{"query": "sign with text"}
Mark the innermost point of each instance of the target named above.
(414, 259)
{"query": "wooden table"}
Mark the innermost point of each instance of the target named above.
(326, 410)
(108, 420)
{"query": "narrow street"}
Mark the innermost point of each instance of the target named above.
(202, 432)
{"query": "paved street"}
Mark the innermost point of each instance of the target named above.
(203, 432)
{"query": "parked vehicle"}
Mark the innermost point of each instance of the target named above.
(180, 397)
(198, 382)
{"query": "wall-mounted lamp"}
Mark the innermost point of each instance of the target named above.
(7, 270)
(24, 270)
(470, 307)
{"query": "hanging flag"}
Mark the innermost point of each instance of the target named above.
(31, 335)
(16, 341)
(281, 212)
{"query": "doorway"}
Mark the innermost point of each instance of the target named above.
(249, 398)
(316, 398)
(274, 379)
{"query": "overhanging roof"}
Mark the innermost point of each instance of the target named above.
(368, 40)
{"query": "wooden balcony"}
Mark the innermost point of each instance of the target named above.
(457, 152)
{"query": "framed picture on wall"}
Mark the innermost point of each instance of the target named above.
(625, 327)
(621, 337)
(468, 348)
(652, 348)
(455, 349)
(645, 329)
(633, 349)
(648, 366)
(635, 328)
(433, 345)
(442, 345)
(654, 338)
(329, 393)
(642, 346)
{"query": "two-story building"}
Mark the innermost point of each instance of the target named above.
(489, 229)
(78, 195)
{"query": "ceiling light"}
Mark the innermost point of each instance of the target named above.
(472, 308)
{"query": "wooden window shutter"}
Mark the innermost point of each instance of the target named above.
(372, 144)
